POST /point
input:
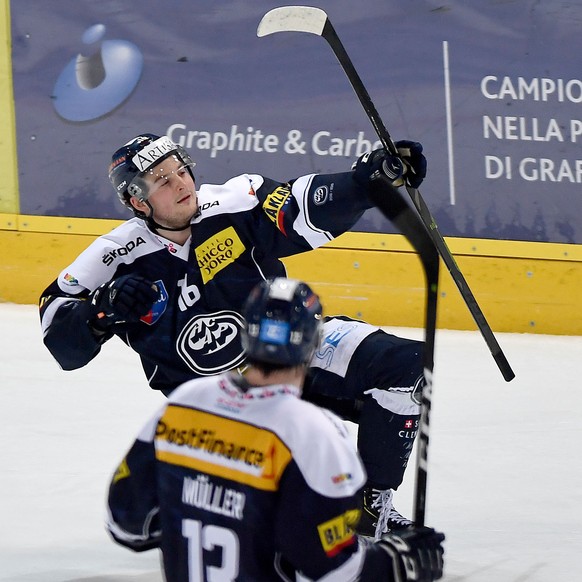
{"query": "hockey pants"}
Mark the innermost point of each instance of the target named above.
(379, 389)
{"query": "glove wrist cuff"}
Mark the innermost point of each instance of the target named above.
(398, 573)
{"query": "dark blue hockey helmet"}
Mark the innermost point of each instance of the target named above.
(132, 162)
(283, 322)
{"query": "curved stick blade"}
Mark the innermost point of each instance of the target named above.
(292, 19)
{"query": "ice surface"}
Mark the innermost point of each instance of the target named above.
(505, 476)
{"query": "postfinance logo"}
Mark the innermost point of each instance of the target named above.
(217, 252)
(222, 447)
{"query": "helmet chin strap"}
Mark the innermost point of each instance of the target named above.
(155, 226)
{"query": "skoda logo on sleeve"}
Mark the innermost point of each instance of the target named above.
(210, 344)
(98, 80)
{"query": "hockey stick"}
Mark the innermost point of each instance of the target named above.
(392, 204)
(316, 21)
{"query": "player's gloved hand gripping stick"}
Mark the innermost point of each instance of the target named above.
(416, 552)
(408, 167)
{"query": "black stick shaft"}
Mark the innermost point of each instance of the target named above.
(391, 203)
(332, 38)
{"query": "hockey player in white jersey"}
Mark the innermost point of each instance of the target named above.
(236, 478)
(171, 283)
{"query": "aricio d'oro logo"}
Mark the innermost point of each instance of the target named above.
(217, 252)
(210, 344)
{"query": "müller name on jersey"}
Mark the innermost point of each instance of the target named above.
(204, 494)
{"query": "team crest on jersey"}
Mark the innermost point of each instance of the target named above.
(210, 344)
(159, 306)
(217, 252)
(321, 195)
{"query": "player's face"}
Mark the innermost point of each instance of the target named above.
(172, 192)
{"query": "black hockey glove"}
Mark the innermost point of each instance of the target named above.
(414, 160)
(416, 552)
(122, 300)
(410, 166)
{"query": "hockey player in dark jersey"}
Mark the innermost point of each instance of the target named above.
(237, 478)
(171, 283)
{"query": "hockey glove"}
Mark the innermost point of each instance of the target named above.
(416, 552)
(122, 300)
(376, 165)
(414, 160)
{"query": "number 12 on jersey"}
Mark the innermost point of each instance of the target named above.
(207, 538)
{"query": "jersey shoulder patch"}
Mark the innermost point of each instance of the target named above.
(323, 449)
(99, 261)
(236, 195)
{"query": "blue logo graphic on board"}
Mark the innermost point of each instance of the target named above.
(95, 83)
